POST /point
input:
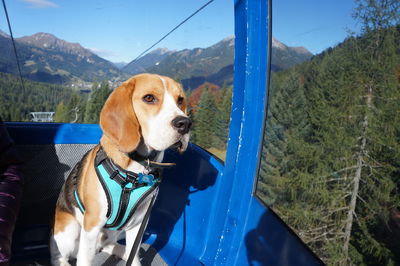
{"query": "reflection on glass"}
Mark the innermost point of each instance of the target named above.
(71, 60)
(330, 158)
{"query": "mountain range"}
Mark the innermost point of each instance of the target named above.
(46, 58)
(151, 59)
(194, 67)
(197, 62)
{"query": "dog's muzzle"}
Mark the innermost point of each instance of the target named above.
(182, 124)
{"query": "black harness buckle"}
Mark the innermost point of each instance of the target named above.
(131, 178)
(114, 174)
(127, 189)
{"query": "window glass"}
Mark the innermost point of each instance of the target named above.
(73, 54)
(331, 152)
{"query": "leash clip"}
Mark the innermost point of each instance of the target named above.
(148, 164)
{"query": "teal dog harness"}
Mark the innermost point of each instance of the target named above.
(124, 189)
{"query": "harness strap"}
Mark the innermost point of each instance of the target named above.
(78, 201)
(125, 190)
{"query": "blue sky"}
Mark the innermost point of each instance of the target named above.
(119, 30)
(314, 24)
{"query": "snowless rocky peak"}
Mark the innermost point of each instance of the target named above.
(278, 44)
(49, 41)
(3, 34)
(161, 51)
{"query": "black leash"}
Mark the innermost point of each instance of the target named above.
(139, 236)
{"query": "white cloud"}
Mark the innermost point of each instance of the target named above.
(40, 3)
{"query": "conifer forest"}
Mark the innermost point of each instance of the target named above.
(330, 163)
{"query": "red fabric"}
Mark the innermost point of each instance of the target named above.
(11, 181)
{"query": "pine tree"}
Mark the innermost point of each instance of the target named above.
(378, 155)
(96, 102)
(204, 121)
(335, 116)
(282, 127)
(223, 118)
(73, 109)
(61, 114)
(82, 110)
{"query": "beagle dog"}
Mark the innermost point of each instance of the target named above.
(140, 120)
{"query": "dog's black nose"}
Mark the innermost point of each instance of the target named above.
(182, 124)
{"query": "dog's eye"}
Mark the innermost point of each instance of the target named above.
(149, 98)
(180, 100)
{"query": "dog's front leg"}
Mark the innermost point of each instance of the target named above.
(87, 246)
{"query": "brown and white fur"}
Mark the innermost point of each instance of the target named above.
(146, 113)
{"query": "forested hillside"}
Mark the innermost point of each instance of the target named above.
(16, 102)
(331, 156)
(82, 108)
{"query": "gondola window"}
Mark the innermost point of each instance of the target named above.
(331, 151)
(63, 71)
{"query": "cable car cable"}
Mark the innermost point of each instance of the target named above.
(13, 42)
(176, 27)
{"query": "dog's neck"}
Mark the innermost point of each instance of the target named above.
(122, 158)
(144, 151)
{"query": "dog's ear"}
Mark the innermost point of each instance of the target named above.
(118, 120)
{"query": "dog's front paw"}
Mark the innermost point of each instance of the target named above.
(60, 262)
(114, 249)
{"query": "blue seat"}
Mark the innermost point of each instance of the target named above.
(51, 151)
(187, 224)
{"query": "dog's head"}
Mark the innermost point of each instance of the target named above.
(150, 108)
